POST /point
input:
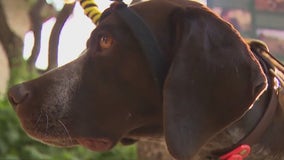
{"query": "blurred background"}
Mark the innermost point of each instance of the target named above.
(38, 35)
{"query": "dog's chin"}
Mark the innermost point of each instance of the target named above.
(94, 144)
(57, 142)
(53, 140)
(60, 137)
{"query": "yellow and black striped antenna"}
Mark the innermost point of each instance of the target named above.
(90, 9)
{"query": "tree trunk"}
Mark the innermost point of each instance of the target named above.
(135, 1)
(36, 20)
(55, 34)
(152, 151)
(12, 44)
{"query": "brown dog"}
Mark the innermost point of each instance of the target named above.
(110, 94)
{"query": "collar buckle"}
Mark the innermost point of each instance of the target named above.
(238, 153)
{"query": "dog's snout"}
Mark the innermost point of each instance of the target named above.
(17, 95)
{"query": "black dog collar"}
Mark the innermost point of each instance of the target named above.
(147, 41)
(145, 38)
(273, 70)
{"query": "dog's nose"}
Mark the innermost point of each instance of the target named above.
(17, 95)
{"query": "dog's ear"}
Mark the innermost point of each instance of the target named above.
(213, 80)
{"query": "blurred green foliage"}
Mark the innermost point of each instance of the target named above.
(16, 145)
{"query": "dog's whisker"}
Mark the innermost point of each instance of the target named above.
(38, 119)
(66, 130)
(46, 127)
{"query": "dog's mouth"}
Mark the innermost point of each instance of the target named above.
(96, 144)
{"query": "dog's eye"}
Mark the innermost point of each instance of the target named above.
(106, 41)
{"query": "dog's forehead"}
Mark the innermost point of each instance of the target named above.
(145, 10)
(154, 7)
(112, 19)
(149, 11)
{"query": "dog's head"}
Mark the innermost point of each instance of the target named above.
(109, 94)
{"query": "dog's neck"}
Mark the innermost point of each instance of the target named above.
(271, 145)
(268, 147)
